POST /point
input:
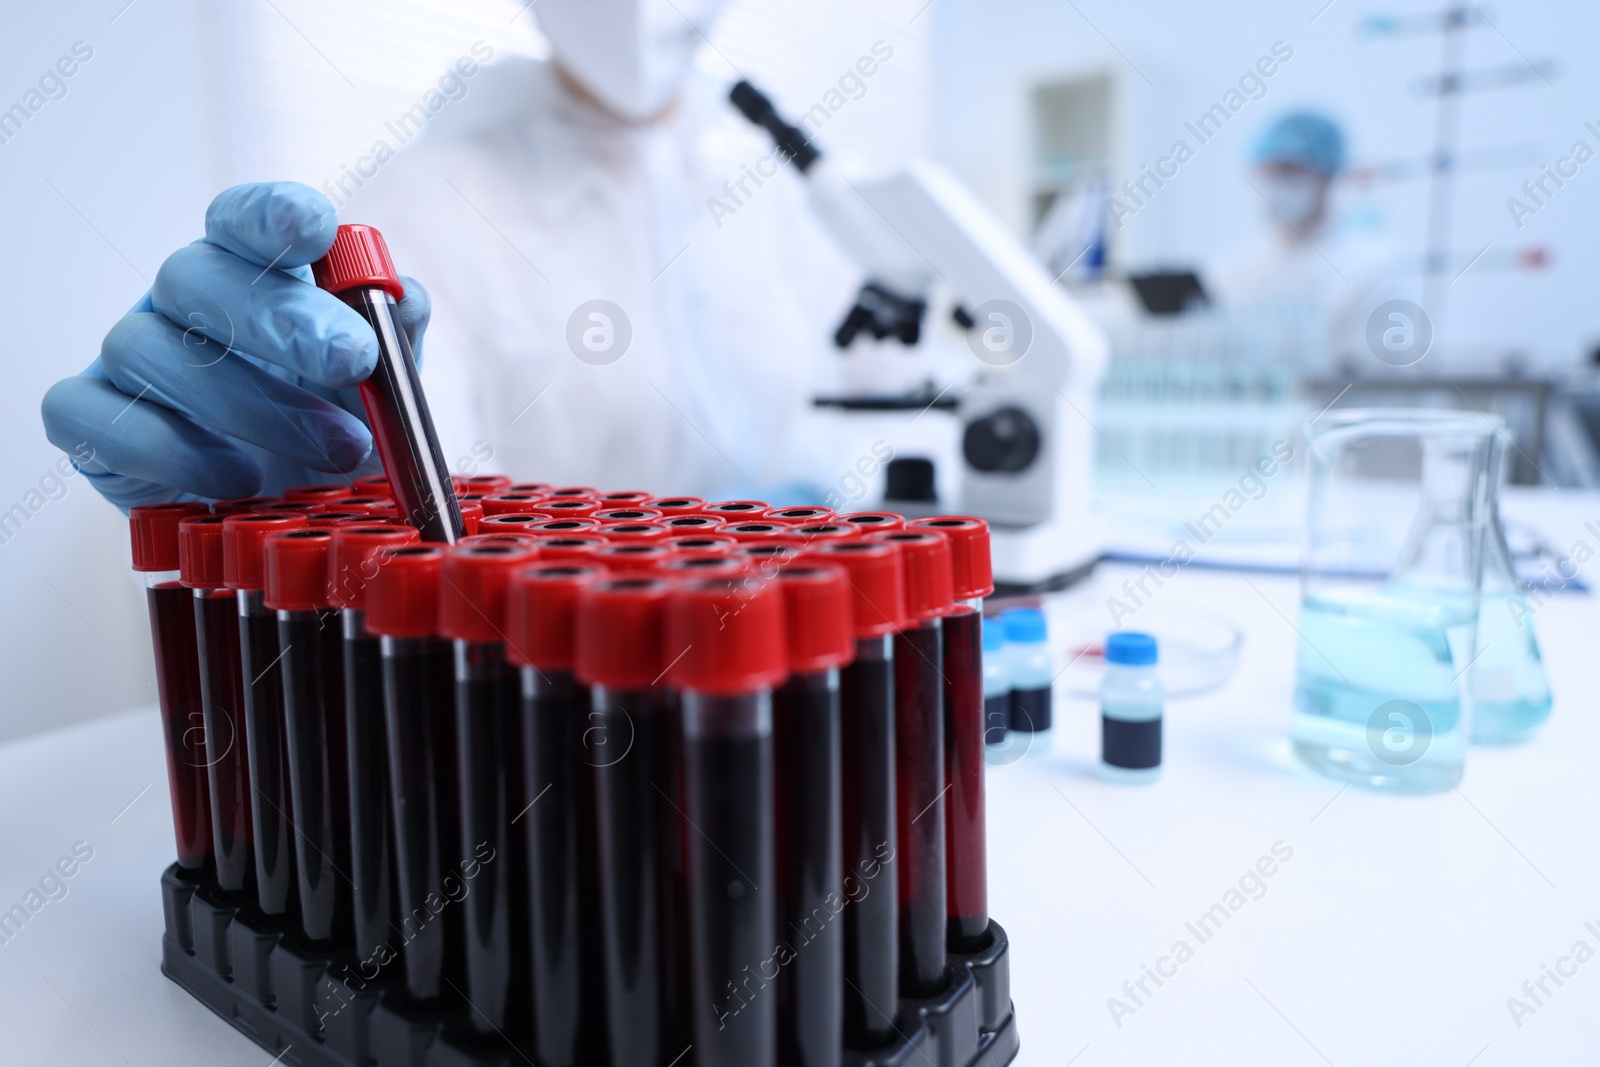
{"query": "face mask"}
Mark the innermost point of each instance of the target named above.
(631, 55)
(1293, 197)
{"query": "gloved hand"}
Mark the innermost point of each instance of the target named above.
(234, 375)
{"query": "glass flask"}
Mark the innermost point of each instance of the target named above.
(1400, 504)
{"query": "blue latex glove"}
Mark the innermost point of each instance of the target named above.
(234, 375)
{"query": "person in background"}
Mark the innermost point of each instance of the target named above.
(592, 322)
(1309, 265)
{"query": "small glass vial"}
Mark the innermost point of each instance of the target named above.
(1130, 710)
(996, 684)
(1028, 662)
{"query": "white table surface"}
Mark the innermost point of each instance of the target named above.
(1394, 934)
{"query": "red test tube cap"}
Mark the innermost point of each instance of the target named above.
(542, 611)
(374, 485)
(698, 565)
(296, 563)
(562, 508)
(510, 522)
(728, 636)
(242, 537)
(631, 557)
(825, 531)
(625, 499)
(570, 548)
(746, 531)
(803, 516)
(925, 563)
(320, 494)
(487, 484)
(676, 505)
(511, 503)
(690, 523)
(633, 531)
(702, 543)
(403, 596)
(359, 259)
(472, 597)
(873, 521)
(621, 632)
(510, 537)
(353, 559)
(877, 603)
(575, 492)
(566, 527)
(471, 515)
(971, 572)
(154, 532)
(200, 551)
(738, 510)
(816, 609)
(239, 505)
(626, 514)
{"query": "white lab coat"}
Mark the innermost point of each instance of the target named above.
(524, 201)
(1333, 283)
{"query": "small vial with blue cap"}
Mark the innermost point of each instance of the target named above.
(1131, 699)
(1032, 672)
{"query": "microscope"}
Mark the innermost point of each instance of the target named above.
(1026, 431)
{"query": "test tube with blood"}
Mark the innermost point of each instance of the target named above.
(261, 667)
(472, 610)
(965, 852)
(919, 758)
(568, 989)
(733, 655)
(418, 698)
(352, 564)
(867, 788)
(358, 270)
(633, 745)
(312, 664)
(216, 623)
(154, 529)
(816, 600)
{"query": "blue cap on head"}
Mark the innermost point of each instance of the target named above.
(1303, 139)
(1024, 624)
(1131, 649)
(994, 638)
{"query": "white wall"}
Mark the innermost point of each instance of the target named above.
(1175, 59)
(98, 186)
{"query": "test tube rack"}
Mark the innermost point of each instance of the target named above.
(306, 1009)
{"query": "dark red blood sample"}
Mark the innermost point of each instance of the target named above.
(919, 782)
(153, 530)
(968, 904)
(563, 862)
(172, 630)
(222, 695)
(633, 745)
(298, 589)
(261, 666)
(476, 581)
(972, 579)
(418, 678)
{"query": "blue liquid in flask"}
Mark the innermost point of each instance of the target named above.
(1378, 696)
